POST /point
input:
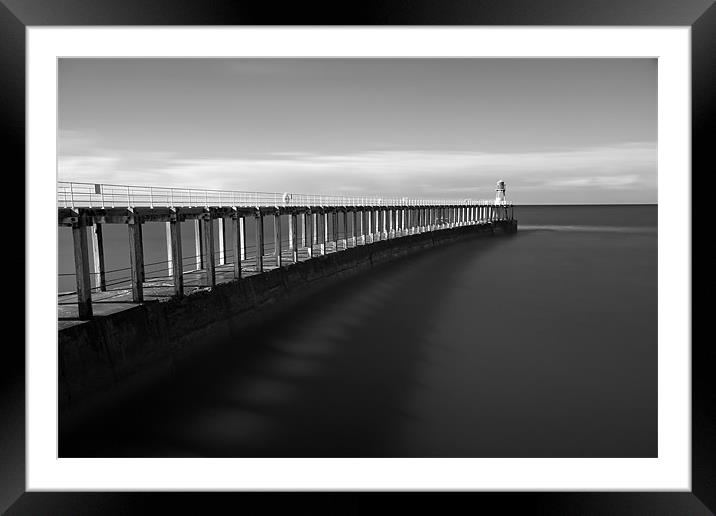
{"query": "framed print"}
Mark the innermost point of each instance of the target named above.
(414, 250)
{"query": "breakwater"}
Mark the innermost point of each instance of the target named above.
(122, 351)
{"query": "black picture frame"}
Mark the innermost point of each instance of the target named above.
(16, 15)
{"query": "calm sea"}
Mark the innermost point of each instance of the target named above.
(543, 344)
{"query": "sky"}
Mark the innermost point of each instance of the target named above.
(555, 130)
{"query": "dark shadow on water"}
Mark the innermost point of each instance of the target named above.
(327, 377)
(543, 344)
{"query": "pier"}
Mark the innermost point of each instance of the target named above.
(115, 333)
(317, 225)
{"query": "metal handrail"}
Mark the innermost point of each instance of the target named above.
(100, 195)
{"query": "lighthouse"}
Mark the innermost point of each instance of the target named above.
(500, 193)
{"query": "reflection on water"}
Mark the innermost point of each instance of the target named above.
(540, 344)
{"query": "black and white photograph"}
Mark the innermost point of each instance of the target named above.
(357, 257)
(332, 254)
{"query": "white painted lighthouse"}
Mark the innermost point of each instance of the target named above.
(500, 193)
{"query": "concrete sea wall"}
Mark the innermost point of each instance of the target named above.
(112, 355)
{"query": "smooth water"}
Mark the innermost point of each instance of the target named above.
(542, 344)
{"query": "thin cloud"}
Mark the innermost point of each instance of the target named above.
(629, 167)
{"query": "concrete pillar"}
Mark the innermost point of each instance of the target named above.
(141, 247)
(242, 233)
(334, 223)
(209, 262)
(136, 259)
(374, 237)
(368, 232)
(366, 229)
(308, 242)
(345, 228)
(355, 227)
(376, 222)
(259, 242)
(198, 245)
(304, 242)
(314, 225)
(222, 240)
(325, 233)
(82, 268)
(293, 234)
(277, 238)
(100, 278)
(290, 234)
(170, 258)
(175, 252)
(359, 225)
(239, 244)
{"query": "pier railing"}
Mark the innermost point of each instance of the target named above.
(95, 195)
